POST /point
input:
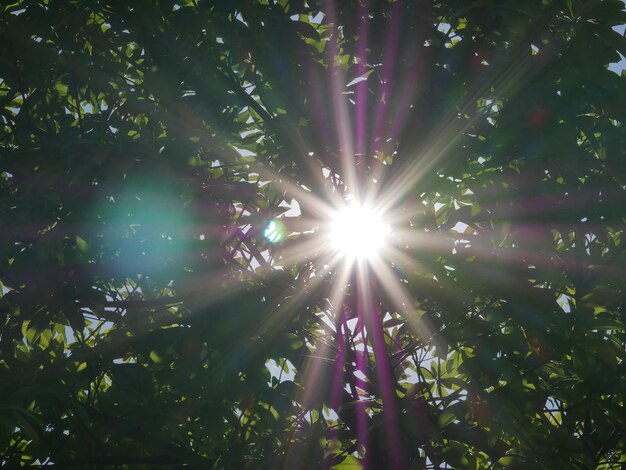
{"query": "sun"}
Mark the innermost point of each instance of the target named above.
(358, 232)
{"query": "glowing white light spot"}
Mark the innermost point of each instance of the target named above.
(273, 232)
(358, 232)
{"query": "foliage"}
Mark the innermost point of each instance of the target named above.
(146, 145)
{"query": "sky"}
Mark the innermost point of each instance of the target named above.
(619, 67)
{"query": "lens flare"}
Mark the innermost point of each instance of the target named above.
(358, 232)
(274, 231)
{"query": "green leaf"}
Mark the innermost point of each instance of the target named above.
(445, 418)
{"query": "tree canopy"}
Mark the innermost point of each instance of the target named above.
(169, 300)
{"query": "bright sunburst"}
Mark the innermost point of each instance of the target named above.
(358, 232)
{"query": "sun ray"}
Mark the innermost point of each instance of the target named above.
(404, 304)
(302, 251)
(342, 121)
(367, 307)
(304, 290)
(311, 369)
(361, 86)
(511, 75)
(385, 95)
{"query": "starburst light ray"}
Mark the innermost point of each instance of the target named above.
(382, 109)
(342, 121)
(361, 86)
(300, 251)
(368, 310)
(507, 77)
(323, 353)
(404, 304)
